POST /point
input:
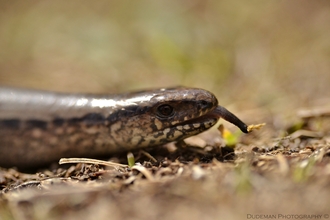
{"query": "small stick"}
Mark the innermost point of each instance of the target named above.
(149, 156)
(91, 161)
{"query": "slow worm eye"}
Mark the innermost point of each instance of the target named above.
(204, 104)
(165, 111)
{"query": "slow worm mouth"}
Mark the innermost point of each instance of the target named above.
(216, 114)
(208, 120)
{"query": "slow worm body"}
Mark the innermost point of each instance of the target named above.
(39, 127)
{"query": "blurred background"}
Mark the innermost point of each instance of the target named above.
(273, 56)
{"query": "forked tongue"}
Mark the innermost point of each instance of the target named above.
(230, 117)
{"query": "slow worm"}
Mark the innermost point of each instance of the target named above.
(39, 127)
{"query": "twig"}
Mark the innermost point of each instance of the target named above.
(91, 161)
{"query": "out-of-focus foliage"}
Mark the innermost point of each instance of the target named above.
(230, 138)
(260, 53)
